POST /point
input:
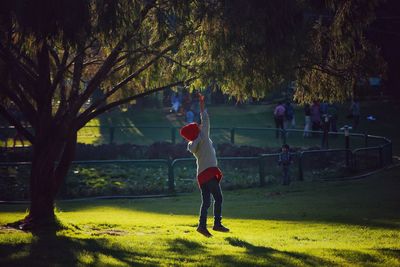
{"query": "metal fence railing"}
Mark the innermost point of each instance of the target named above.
(320, 155)
(263, 137)
(143, 177)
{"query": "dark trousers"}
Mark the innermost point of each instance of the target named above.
(210, 188)
(285, 175)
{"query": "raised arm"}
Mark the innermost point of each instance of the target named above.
(201, 100)
(205, 121)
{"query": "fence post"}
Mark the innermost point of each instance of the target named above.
(381, 156)
(171, 180)
(347, 144)
(261, 171)
(173, 135)
(301, 178)
(112, 129)
(233, 136)
(354, 159)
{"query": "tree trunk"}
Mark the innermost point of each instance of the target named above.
(51, 161)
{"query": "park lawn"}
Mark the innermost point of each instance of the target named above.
(306, 224)
(228, 116)
(141, 122)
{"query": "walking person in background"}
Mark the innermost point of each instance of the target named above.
(307, 120)
(355, 112)
(315, 116)
(279, 116)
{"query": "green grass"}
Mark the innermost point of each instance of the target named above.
(243, 116)
(352, 223)
(231, 116)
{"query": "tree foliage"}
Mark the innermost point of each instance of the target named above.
(62, 63)
(251, 47)
(56, 55)
(340, 56)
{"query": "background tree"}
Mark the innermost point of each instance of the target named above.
(54, 55)
(340, 57)
(255, 46)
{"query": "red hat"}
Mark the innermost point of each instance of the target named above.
(190, 131)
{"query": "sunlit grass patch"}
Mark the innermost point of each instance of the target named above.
(306, 224)
(91, 133)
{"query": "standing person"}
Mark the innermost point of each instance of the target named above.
(289, 116)
(279, 116)
(315, 116)
(323, 107)
(307, 120)
(208, 173)
(189, 116)
(333, 117)
(285, 160)
(175, 103)
(355, 112)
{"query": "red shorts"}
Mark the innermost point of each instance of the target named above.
(208, 174)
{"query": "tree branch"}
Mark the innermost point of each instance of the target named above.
(110, 60)
(22, 102)
(126, 80)
(85, 118)
(61, 68)
(17, 124)
(77, 73)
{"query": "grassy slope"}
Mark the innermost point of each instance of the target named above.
(310, 224)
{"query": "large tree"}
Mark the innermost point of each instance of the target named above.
(54, 55)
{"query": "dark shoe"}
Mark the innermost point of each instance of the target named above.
(204, 231)
(220, 228)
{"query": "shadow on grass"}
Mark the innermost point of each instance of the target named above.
(269, 256)
(181, 245)
(357, 257)
(49, 249)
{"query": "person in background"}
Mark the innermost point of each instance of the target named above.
(279, 116)
(175, 103)
(315, 116)
(333, 117)
(355, 112)
(307, 120)
(285, 160)
(189, 116)
(323, 107)
(290, 121)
